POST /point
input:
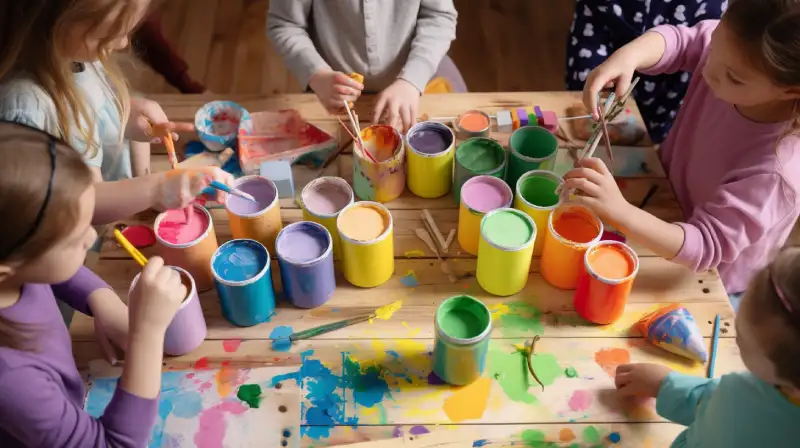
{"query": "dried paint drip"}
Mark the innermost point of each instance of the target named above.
(250, 394)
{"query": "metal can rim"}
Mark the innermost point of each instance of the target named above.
(194, 242)
(320, 180)
(435, 124)
(189, 297)
(375, 240)
(328, 249)
(519, 213)
(458, 341)
(567, 242)
(486, 178)
(525, 158)
(494, 143)
(482, 132)
(545, 173)
(612, 281)
(264, 210)
(249, 281)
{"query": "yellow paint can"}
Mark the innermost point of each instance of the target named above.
(367, 236)
(479, 195)
(536, 196)
(430, 150)
(505, 251)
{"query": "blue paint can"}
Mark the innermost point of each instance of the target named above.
(463, 326)
(241, 271)
(305, 256)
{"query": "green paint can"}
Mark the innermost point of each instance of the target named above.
(530, 148)
(476, 157)
(463, 327)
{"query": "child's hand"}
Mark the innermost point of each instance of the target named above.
(144, 115)
(399, 103)
(640, 380)
(156, 298)
(334, 88)
(617, 71)
(599, 190)
(178, 188)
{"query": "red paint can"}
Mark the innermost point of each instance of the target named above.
(605, 281)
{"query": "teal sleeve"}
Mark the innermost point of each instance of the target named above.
(680, 395)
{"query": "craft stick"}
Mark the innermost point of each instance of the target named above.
(605, 137)
(133, 251)
(714, 341)
(425, 235)
(426, 215)
(426, 238)
(449, 240)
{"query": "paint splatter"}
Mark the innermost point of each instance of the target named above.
(369, 386)
(410, 280)
(385, 312)
(280, 338)
(580, 400)
(212, 424)
(412, 332)
(227, 378)
(231, 345)
(518, 319)
(566, 435)
(418, 430)
(434, 380)
(610, 358)
(480, 443)
(510, 370)
(536, 439)
(416, 253)
(614, 437)
(570, 372)
(591, 435)
(201, 364)
(468, 402)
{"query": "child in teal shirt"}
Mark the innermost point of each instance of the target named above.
(759, 408)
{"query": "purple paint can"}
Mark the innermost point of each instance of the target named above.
(188, 327)
(305, 257)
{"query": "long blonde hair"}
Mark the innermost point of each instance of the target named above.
(32, 38)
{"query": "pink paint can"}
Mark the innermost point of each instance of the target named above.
(188, 327)
(188, 244)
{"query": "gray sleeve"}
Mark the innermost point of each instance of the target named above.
(436, 28)
(287, 28)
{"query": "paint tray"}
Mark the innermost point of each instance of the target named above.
(673, 328)
(281, 135)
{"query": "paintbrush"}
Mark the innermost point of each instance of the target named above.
(357, 129)
(222, 187)
(161, 131)
(327, 328)
(648, 196)
(714, 341)
(130, 248)
(605, 137)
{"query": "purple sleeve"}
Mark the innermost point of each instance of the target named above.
(35, 411)
(686, 47)
(75, 291)
(740, 213)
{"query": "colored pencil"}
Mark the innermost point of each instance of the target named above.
(133, 251)
(327, 328)
(649, 195)
(714, 348)
(222, 187)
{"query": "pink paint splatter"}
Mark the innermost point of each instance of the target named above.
(231, 345)
(201, 364)
(212, 424)
(580, 400)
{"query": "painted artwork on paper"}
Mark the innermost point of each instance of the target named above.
(216, 408)
(673, 328)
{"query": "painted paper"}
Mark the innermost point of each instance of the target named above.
(673, 328)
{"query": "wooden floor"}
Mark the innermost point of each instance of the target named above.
(502, 45)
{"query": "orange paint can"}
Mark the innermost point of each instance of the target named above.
(571, 230)
(188, 242)
(605, 281)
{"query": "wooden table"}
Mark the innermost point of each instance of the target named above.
(386, 387)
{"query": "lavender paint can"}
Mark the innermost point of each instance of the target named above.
(305, 257)
(188, 327)
(241, 271)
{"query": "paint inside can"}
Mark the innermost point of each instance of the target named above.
(264, 193)
(484, 194)
(326, 197)
(303, 242)
(480, 155)
(382, 141)
(507, 228)
(430, 140)
(239, 261)
(610, 261)
(463, 318)
(539, 190)
(473, 121)
(576, 225)
(175, 228)
(363, 222)
(533, 142)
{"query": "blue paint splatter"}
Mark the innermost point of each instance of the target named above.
(187, 404)
(614, 437)
(280, 338)
(410, 280)
(480, 443)
(369, 386)
(393, 354)
(335, 310)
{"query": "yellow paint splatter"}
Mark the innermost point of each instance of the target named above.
(416, 253)
(385, 312)
(469, 402)
(225, 378)
(498, 310)
(412, 332)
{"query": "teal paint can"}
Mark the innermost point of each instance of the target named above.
(530, 148)
(463, 327)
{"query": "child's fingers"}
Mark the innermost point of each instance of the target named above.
(596, 165)
(178, 127)
(594, 84)
(405, 114)
(346, 92)
(380, 109)
(584, 185)
(584, 173)
(342, 79)
(154, 264)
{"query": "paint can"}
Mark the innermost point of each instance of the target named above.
(505, 251)
(188, 244)
(530, 148)
(188, 327)
(430, 159)
(383, 181)
(259, 221)
(537, 197)
(479, 196)
(244, 285)
(322, 200)
(463, 326)
(571, 229)
(471, 124)
(305, 256)
(475, 157)
(605, 282)
(367, 235)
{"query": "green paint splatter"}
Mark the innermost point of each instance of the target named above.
(250, 394)
(511, 372)
(570, 372)
(546, 367)
(591, 435)
(521, 319)
(536, 439)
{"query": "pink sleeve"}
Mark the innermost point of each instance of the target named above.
(739, 215)
(686, 47)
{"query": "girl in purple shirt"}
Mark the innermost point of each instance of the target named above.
(732, 156)
(46, 201)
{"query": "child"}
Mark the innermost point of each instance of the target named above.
(756, 408)
(599, 28)
(56, 75)
(46, 200)
(396, 44)
(732, 157)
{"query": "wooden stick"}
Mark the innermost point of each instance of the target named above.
(207, 158)
(425, 236)
(357, 129)
(449, 240)
(426, 215)
(605, 137)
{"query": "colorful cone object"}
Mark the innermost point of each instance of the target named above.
(673, 328)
